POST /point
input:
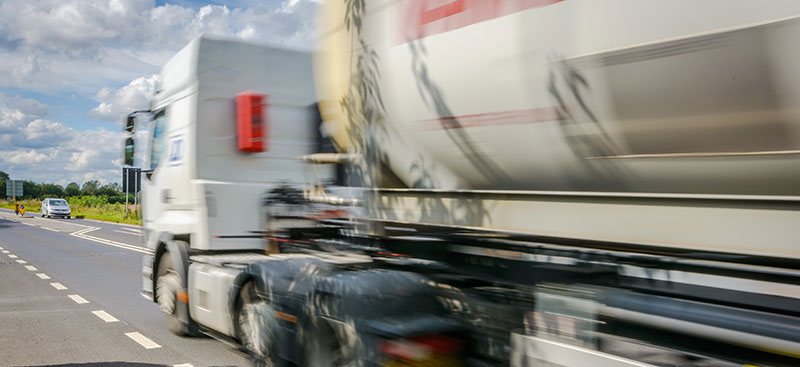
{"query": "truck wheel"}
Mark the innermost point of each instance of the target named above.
(168, 285)
(255, 323)
(322, 348)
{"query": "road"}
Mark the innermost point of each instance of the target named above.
(70, 295)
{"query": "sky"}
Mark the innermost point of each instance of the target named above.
(71, 70)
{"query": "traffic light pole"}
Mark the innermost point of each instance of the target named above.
(127, 172)
(136, 191)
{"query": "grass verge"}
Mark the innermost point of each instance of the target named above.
(89, 209)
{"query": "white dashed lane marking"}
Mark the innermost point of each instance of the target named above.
(31, 268)
(42, 276)
(58, 286)
(143, 340)
(28, 224)
(51, 229)
(21, 262)
(12, 256)
(2, 248)
(105, 316)
(183, 365)
(6, 252)
(78, 299)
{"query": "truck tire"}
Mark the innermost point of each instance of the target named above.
(255, 324)
(322, 348)
(168, 284)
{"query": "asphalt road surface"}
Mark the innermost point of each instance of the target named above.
(70, 295)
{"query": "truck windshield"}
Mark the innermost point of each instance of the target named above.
(158, 142)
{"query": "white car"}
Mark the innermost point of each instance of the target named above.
(56, 207)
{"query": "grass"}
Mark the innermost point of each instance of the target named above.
(80, 208)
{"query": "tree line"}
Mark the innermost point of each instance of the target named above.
(32, 190)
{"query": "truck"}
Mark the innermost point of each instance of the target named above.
(485, 183)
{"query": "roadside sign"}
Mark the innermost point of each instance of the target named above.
(22, 210)
(13, 188)
(131, 179)
(131, 184)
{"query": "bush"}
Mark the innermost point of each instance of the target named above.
(89, 201)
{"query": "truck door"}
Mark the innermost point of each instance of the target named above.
(154, 184)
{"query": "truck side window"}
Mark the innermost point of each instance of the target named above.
(158, 142)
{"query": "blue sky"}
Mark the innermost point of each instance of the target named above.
(70, 70)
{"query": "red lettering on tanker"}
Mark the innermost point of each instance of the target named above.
(422, 18)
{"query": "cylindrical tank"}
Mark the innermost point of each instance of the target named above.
(571, 95)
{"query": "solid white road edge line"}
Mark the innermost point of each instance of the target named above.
(126, 232)
(105, 316)
(183, 365)
(78, 299)
(143, 340)
(82, 234)
(111, 223)
(42, 275)
(71, 223)
(58, 286)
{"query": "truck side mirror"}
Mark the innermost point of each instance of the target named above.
(129, 151)
(130, 124)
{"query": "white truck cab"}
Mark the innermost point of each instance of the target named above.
(201, 193)
(199, 179)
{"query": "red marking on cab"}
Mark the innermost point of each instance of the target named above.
(251, 122)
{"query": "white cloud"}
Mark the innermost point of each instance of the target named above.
(28, 157)
(107, 51)
(76, 45)
(34, 148)
(116, 104)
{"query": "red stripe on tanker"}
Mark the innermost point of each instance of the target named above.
(424, 18)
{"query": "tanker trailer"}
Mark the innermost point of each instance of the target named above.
(628, 167)
(672, 125)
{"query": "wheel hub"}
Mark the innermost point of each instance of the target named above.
(167, 292)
